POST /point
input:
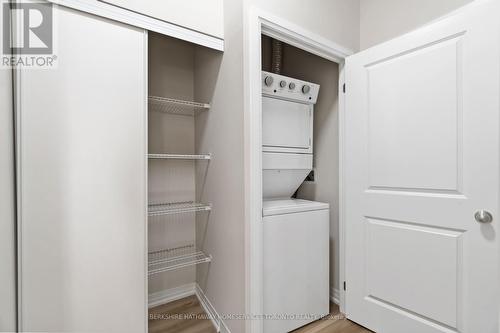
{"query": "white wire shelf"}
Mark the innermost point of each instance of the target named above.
(177, 208)
(175, 258)
(175, 106)
(179, 156)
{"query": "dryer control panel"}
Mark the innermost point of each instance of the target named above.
(287, 88)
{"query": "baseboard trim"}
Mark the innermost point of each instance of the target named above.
(174, 294)
(170, 295)
(217, 321)
(335, 295)
(208, 307)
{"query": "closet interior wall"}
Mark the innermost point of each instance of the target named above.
(305, 66)
(170, 75)
(184, 71)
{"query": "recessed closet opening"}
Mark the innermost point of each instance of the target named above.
(322, 184)
(181, 79)
(300, 163)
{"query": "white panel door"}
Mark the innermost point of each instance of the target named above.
(82, 181)
(422, 157)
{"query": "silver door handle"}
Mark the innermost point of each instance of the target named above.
(483, 216)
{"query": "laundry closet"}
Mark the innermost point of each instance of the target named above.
(300, 161)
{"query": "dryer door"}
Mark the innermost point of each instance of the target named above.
(286, 126)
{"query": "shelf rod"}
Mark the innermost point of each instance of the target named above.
(180, 156)
(177, 208)
(162, 261)
(175, 106)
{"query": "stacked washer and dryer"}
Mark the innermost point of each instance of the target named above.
(296, 232)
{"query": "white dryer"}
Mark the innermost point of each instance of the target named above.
(296, 232)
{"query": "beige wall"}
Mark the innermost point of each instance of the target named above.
(381, 20)
(7, 213)
(336, 20)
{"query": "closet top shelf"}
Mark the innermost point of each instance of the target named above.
(176, 106)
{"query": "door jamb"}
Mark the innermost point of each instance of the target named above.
(259, 22)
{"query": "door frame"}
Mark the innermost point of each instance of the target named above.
(258, 22)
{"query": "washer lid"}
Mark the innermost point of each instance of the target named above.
(289, 206)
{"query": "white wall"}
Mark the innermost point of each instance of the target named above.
(220, 131)
(336, 20)
(381, 20)
(7, 213)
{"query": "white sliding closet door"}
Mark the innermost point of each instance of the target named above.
(422, 171)
(82, 181)
(7, 207)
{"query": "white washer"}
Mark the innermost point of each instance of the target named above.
(296, 232)
(296, 264)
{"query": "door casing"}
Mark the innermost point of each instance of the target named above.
(256, 23)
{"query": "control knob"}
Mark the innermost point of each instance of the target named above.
(268, 80)
(306, 89)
